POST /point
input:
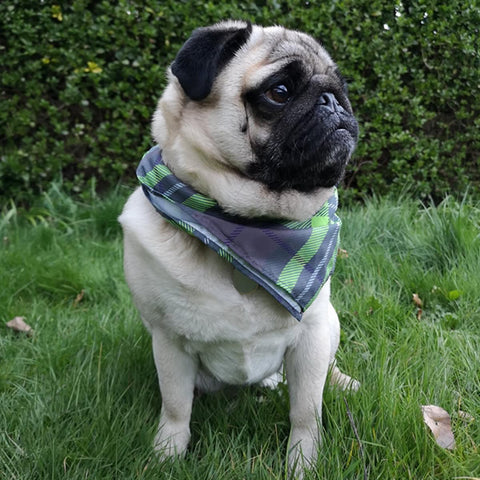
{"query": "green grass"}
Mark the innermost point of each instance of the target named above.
(79, 398)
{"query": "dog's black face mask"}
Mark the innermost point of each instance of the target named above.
(312, 129)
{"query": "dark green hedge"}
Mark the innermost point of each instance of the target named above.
(79, 81)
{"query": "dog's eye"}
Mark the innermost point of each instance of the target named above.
(278, 94)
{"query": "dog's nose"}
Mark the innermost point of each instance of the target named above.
(329, 101)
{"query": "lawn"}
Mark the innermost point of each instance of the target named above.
(79, 396)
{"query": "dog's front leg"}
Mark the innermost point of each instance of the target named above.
(176, 375)
(306, 367)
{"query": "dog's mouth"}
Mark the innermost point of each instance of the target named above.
(316, 159)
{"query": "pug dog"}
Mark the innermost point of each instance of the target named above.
(255, 123)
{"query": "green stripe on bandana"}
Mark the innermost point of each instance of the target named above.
(199, 202)
(289, 276)
(157, 174)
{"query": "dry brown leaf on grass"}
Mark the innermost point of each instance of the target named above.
(19, 325)
(439, 422)
(466, 417)
(418, 302)
(342, 253)
(78, 298)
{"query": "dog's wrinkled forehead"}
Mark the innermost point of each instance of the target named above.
(290, 44)
(276, 48)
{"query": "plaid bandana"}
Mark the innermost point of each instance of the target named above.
(290, 260)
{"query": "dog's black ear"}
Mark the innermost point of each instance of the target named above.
(203, 56)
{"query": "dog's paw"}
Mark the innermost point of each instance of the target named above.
(272, 381)
(343, 381)
(303, 452)
(171, 442)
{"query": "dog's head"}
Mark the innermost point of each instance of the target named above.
(262, 111)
